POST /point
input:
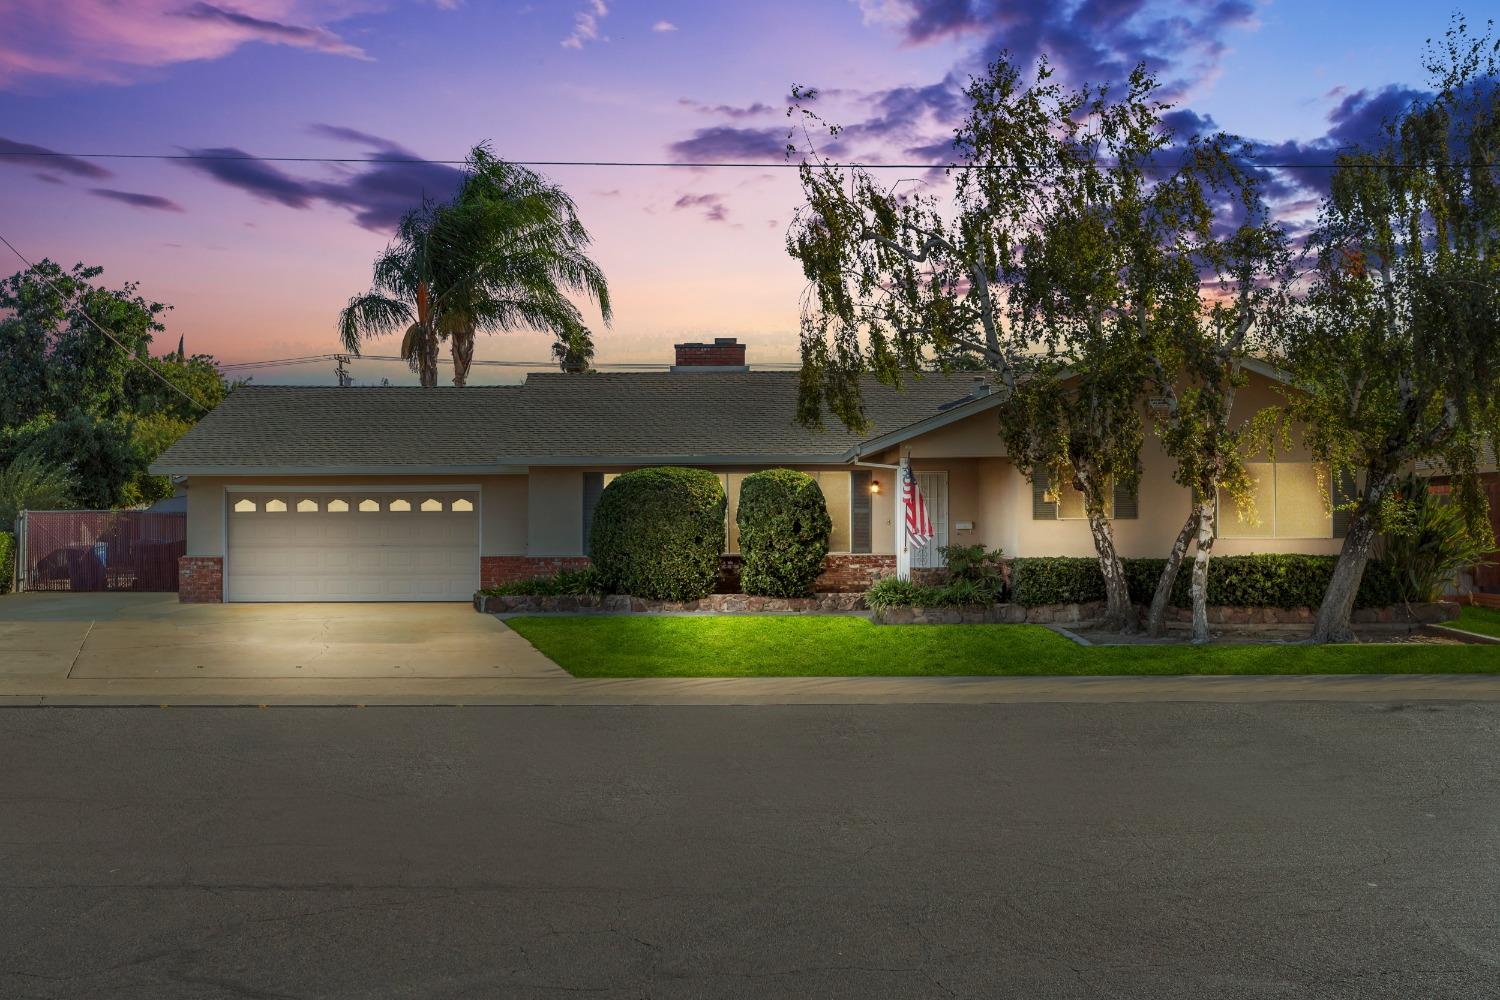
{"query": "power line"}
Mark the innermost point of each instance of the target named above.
(158, 375)
(689, 164)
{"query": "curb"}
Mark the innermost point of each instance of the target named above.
(722, 691)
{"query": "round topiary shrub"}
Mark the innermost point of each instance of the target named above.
(784, 525)
(659, 532)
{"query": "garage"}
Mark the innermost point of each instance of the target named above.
(352, 545)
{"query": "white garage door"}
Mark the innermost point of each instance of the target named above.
(353, 546)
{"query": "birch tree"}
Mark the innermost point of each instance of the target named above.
(1396, 347)
(1197, 368)
(1068, 259)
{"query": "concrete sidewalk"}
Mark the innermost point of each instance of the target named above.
(147, 649)
(752, 691)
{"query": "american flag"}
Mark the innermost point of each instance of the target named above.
(918, 524)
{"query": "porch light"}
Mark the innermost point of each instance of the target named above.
(874, 485)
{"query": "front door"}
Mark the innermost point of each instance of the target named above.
(934, 487)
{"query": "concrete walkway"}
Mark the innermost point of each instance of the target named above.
(146, 649)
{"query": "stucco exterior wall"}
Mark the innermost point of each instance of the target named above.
(503, 502)
(996, 496)
(555, 505)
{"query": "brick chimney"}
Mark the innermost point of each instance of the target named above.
(725, 354)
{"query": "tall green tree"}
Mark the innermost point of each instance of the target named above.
(1396, 345)
(504, 254)
(1069, 261)
(87, 407)
(1198, 353)
(52, 359)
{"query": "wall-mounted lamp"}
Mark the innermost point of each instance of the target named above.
(874, 485)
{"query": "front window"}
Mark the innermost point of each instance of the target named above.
(1287, 500)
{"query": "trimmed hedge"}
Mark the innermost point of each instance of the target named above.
(1262, 581)
(658, 533)
(7, 560)
(784, 527)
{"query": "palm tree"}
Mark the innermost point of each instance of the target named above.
(403, 294)
(501, 256)
(513, 248)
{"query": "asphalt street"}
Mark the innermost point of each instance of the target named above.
(1029, 851)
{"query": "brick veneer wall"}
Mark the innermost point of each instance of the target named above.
(843, 573)
(200, 579)
(495, 570)
(724, 352)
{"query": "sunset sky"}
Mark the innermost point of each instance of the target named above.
(257, 257)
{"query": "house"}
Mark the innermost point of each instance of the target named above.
(402, 494)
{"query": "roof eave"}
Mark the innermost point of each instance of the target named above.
(573, 461)
(978, 404)
(187, 469)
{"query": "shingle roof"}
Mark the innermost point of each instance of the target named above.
(328, 429)
(553, 417)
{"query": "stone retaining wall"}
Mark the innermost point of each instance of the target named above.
(1002, 614)
(1062, 614)
(713, 603)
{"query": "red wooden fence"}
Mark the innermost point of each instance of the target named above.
(100, 550)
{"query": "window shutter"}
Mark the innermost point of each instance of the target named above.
(860, 505)
(593, 485)
(1344, 491)
(1127, 503)
(1042, 509)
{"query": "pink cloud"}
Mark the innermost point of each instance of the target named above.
(103, 40)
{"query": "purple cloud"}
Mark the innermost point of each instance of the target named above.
(27, 155)
(728, 143)
(377, 193)
(239, 169)
(714, 209)
(137, 200)
(1095, 41)
(343, 133)
(109, 40)
(277, 32)
(752, 110)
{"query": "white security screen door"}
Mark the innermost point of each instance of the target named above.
(934, 487)
(353, 545)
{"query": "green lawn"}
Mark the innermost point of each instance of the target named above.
(1485, 621)
(649, 646)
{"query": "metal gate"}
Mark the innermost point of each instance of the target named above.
(93, 550)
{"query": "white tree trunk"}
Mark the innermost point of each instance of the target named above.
(1207, 515)
(1156, 622)
(1119, 613)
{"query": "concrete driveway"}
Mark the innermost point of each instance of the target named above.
(124, 637)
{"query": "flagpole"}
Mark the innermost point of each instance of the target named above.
(903, 545)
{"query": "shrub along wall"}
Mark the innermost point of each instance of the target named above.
(658, 533)
(1264, 581)
(784, 526)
